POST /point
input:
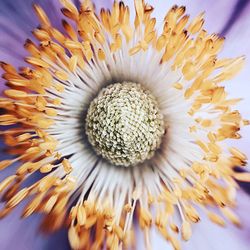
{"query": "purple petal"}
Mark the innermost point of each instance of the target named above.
(208, 236)
(102, 4)
(17, 20)
(236, 15)
(24, 234)
(237, 43)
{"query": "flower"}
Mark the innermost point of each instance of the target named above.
(118, 119)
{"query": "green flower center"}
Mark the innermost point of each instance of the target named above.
(124, 124)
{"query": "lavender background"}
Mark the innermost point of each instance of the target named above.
(230, 18)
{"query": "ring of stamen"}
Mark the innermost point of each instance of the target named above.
(124, 124)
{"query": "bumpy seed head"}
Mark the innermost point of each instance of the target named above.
(124, 124)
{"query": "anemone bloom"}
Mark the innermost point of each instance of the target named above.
(113, 121)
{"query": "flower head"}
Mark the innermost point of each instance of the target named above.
(121, 119)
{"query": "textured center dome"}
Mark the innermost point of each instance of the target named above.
(124, 124)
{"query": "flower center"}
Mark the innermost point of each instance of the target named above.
(124, 124)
